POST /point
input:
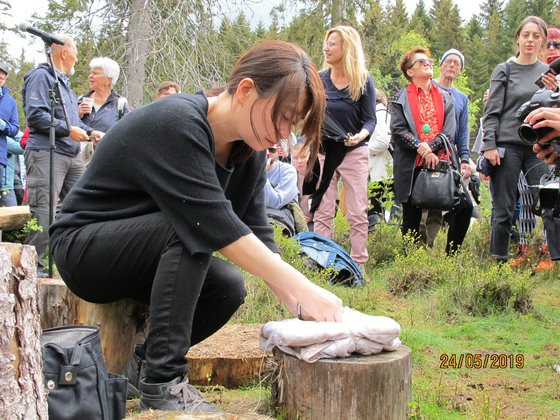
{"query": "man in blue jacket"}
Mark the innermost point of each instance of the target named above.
(68, 164)
(9, 124)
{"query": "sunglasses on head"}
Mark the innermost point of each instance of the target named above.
(553, 44)
(424, 61)
(272, 149)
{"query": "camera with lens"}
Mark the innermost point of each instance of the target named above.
(541, 98)
(549, 188)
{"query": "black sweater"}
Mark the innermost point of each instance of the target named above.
(161, 158)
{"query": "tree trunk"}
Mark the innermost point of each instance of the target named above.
(138, 42)
(22, 393)
(121, 324)
(358, 387)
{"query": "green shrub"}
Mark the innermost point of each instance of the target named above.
(496, 289)
(418, 269)
(18, 235)
(384, 244)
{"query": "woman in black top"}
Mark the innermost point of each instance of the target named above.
(344, 155)
(175, 181)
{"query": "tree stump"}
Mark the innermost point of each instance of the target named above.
(358, 387)
(14, 217)
(230, 357)
(122, 324)
(23, 394)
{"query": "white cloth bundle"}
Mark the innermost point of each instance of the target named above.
(311, 340)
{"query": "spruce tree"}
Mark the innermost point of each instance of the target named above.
(446, 29)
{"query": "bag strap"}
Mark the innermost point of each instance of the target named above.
(508, 73)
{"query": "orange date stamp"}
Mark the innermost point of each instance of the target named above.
(482, 361)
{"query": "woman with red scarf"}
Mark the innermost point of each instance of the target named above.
(422, 114)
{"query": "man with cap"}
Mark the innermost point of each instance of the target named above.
(451, 65)
(68, 164)
(9, 123)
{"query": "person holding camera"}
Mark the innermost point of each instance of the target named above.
(512, 84)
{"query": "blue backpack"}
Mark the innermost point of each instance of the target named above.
(328, 254)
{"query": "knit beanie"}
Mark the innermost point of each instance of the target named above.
(457, 53)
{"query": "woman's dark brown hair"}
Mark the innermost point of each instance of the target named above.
(283, 69)
(406, 61)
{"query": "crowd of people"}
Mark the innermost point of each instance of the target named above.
(171, 182)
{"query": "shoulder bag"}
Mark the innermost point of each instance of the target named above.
(441, 188)
(77, 382)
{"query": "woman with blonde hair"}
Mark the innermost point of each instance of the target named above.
(349, 122)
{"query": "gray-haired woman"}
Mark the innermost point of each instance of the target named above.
(102, 107)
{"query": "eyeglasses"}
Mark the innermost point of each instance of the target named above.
(329, 44)
(453, 62)
(272, 149)
(423, 62)
(553, 44)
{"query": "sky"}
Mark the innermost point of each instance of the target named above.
(254, 9)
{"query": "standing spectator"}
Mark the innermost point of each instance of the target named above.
(552, 45)
(68, 165)
(101, 107)
(350, 108)
(9, 123)
(500, 128)
(452, 64)
(14, 151)
(380, 159)
(167, 88)
(421, 116)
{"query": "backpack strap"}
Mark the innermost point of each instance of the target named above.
(120, 106)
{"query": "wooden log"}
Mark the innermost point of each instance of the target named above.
(14, 217)
(23, 395)
(122, 324)
(358, 387)
(231, 357)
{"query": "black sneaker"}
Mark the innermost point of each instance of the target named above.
(134, 371)
(176, 395)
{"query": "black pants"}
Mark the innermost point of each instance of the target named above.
(190, 296)
(504, 193)
(458, 224)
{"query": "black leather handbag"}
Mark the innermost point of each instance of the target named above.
(441, 188)
(77, 382)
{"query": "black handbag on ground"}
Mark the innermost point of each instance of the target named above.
(441, 188)
(77, 382)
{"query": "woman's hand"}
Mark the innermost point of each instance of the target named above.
(319, 305)
(431, 160)
(545, 117)
(492, 156)
(546, 152)
(423, 149)
(83, 109)
(550, 82)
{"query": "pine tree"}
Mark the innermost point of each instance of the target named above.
(514, 13)
(375, 37)
(541, 8)
(489, 7)
(446, 29)
(420, 21)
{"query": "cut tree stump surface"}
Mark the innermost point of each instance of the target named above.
(14, 217)
(231, 357)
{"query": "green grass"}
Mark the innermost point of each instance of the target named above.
(457, 305)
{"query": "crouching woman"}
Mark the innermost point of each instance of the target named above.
(175, 181)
